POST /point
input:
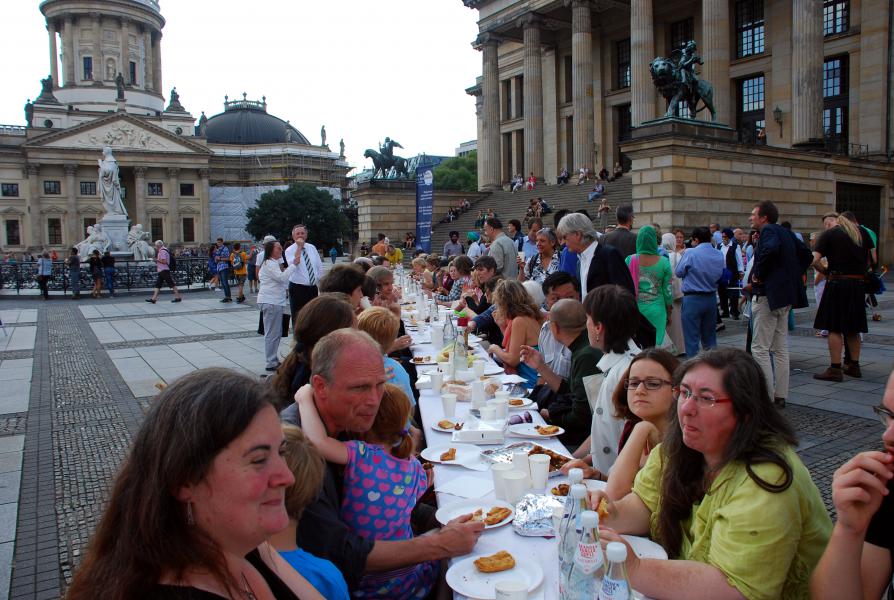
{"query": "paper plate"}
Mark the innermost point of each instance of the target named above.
(527, 430)
(464, 578)
(426, 359)
(527, 402)
(492, 368)
(437, 427)
(447, 513)
(464, 453)
(645, 548)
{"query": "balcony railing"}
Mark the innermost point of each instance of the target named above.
(12, 130)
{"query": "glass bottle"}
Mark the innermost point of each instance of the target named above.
(615, 584)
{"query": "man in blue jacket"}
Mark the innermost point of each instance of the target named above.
(777, 286)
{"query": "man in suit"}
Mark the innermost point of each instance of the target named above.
(622, 238)
(600, 264)
(732, 257)
(776, 285)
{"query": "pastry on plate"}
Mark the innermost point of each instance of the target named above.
(561, 489)
(501, 561)
(446, 424)
(497, 514)
(449, 455)
(478, 515)
(516, 401)
(546, 429)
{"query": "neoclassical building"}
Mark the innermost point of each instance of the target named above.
(186, 183)
(804, 84)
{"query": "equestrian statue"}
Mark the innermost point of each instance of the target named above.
(386, 164)
(677, 81)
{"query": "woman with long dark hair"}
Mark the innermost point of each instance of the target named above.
(200, 491)
(725, 493)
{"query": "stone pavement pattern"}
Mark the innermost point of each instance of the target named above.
(81, 375)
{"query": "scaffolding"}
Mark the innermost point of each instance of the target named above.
(279, 164)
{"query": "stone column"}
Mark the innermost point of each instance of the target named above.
(140, 198)
(173, 233)
(71, 222)
(156, 61)
(205, 174)
(642, 51)
(54, 55)
(807, 71)
(68, 52)
(32, 171)
(715, 51)
(533, 95)
(489, 178)
(582, 83)
(98, 63)
(148, 77)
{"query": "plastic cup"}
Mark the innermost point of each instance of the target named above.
(437, 338)
(477, 394)
(501, 406)
(448, 402)
(478, 367)
(502, 395)
(497, 470)
(488, 413)
(511, 589)
(514, 483)
(539, 467)
(520, 464)
(437, 380)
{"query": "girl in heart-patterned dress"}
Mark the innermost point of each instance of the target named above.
(382, 482)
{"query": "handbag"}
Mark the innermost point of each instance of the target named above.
(286, 318)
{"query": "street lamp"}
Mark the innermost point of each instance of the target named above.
(777, 116)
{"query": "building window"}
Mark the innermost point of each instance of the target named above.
(133, 73)
(54, 231)
(88, 67)
(88, 222)
(52, 187)
(156, 226)
(622, 51)
(189, 229)
(156, 189)
(750, 110)
(836, 16)
(187, 189)
(749, 27)
(680, 33)
(9, 190)
(13, 237)
(569, 79)
(835, 103)
(625, 118)
(88, 188)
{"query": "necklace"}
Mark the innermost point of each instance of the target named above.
(247, 592)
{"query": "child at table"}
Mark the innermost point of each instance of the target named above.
(382, 483)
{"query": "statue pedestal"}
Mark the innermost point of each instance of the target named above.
(116, 227)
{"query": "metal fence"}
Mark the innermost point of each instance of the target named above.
(190, 272)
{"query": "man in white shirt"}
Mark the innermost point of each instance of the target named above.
(303, 281)
(502, 248)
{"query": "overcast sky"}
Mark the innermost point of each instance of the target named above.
(365, 68)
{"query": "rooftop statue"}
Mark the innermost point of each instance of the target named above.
(677, 80)
(323, 135)
(119, 84)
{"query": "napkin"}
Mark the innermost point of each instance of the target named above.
(513, 379)
(467, 487)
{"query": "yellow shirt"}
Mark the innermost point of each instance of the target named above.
(395, 257)
(243, 270)
(766, 544)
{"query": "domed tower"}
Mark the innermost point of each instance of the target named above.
(101, 39)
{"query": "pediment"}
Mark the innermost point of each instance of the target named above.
(10, 210)
(90, 210)
(156, 210)
(52, 210)
(189, 210)
(121, 132)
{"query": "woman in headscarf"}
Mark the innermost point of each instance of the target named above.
(652, 280)
(675, 330)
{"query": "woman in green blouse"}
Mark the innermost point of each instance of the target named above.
(725, 494)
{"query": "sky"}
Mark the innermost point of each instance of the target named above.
(365, 69)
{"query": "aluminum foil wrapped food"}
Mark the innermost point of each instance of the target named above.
(534, 515)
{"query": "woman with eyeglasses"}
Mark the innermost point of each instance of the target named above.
(545, 262)
(644, 397)
(858, 561)
(724, 494)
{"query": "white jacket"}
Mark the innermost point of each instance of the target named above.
(274, 283)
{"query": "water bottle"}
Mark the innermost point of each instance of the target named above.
(568, 536)
(575, 476)
(615, 584)
(585, 577)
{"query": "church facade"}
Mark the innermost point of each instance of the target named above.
(185, 183)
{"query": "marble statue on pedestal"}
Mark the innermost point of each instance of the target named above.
(96, 240)
(109, 185)
(138, 242)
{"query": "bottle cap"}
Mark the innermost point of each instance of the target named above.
(578, 491)
(589, 519)
(575, 475)
(616, 551)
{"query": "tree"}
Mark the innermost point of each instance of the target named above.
(280, 210)
(460, 173)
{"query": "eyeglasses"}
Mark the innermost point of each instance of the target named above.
(884, 415)
(651, 383)
(682, 394)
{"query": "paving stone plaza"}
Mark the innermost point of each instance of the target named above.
(77, 378)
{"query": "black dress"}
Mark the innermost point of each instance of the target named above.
(842, 307)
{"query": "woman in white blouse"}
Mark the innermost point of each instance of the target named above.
(274, 287)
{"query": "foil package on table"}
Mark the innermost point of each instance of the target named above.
(534, 515)
(504, 454)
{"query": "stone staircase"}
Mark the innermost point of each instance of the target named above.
(514, 206)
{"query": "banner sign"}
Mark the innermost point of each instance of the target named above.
(424, 205)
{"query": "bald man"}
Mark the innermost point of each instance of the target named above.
(571, 409)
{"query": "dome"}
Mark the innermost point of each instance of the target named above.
(246, 122)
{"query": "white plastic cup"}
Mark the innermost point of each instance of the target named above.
(514, 483)
(520, 464)
(437, 380)
(511, 589)
(437, 338)
(539, 467)
(448, 402)
(477, 394)
(501, 406)
(497, 470)
(502, 395)
(488, 413)
(478, 367)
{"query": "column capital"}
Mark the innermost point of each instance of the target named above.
(173, 172)
(529, 20)
(579, 3)
(31, 169)
(71, 169)
(140, 171)
(486, 38)
(205, 173)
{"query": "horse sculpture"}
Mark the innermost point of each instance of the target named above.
(378, 163)
(398, 169)
(667, 77)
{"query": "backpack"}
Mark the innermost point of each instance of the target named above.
(172, 261)
(237, 260)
